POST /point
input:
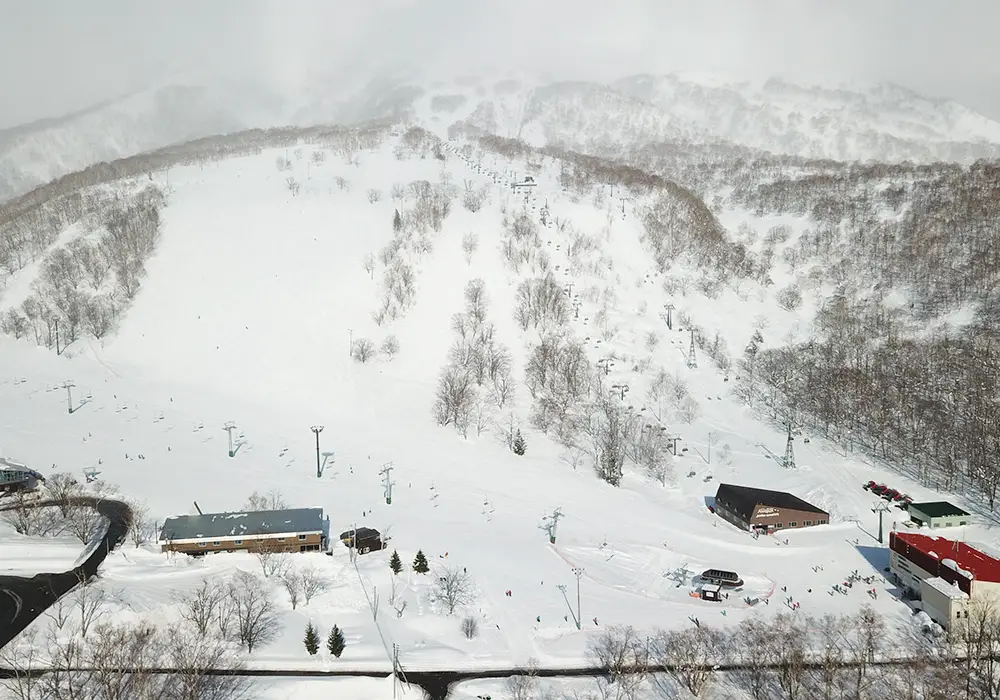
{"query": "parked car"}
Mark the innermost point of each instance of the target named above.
(364, 539)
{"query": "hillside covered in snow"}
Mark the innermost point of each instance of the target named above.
(883, 123)
(641, 319)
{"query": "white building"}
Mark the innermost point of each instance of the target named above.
(945, 574)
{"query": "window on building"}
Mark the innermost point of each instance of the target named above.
(793, 524)
(778, 526)
(807, 523)
(963, 522)
(821, 522)
(238, 542)
(203, 544)
(281, 539)
(217, 543)
(302, 537)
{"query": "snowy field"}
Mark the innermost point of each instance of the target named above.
(27, 556)
(246, 314)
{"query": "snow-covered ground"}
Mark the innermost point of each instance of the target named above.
(246, 314)
(27, 556)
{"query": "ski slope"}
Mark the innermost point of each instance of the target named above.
(246, 314)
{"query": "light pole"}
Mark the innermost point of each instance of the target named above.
(350, 342)
(317, 429)
(578, 572)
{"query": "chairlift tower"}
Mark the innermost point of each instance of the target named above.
(789, 460)
(317, 429)
(550, 522)
(387, 482)
(229, 428)
(692, 358)
(68, 386)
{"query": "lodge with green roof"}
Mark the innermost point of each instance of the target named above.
(938, 514)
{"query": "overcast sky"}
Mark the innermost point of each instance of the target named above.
(58, 56)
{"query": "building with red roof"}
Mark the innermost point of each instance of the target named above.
(944, 574)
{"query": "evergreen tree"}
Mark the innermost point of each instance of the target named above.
(397, 222)
(519, 446)
(335, 642)
(312, 639)
(420, 563)
(394, 562)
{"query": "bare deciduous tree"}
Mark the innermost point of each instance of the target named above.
(89, 599)
(390, 346)
(523, 685)
(453, 588)
(202, 607)
(470, 244)
(374, 195)
(691, 652)
(141, 530)
(272, 500)
(313, 583)
(363, 350)
(470, 627)
(270, 555)
(621, 652)
(85, 523)
(292, 582)
(254, 612)
(370, 265)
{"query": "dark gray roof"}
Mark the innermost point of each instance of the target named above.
(743, 499)
(938, 509)
(263, 522)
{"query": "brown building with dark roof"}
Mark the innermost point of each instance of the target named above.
(760, 509)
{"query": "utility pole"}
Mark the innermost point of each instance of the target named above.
(568, 289)
(578, 572)
(605, 363)
(670, 315)
(881, 507)
(58, 351)
(229, 428)
(350, 342)
(550, 522)
(317, 429)
(387, 481)
(623, 206)
(68, 386)
(789, 460)
(692, 359)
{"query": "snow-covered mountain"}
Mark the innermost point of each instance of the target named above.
(881, 123)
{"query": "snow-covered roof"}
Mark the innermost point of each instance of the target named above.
(945, 588)
(960, 557)
(222, 525)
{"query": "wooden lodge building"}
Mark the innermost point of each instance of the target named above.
(766, 511)
(289, 530)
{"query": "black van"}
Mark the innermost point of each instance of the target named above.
(365, 539)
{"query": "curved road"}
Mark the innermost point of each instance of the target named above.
(24, 599)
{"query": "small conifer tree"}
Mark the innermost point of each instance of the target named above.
(397, 222)
(519, 446)
(335, 642)
(420, 563)
(395, 563)
(311, 639)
